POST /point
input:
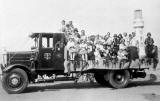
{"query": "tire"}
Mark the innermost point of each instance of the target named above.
(119, 78)
(15, 81)
(100, 79)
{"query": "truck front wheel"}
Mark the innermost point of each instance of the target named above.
(119, 78)
(15, 81)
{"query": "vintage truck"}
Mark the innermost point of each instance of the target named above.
(47, 58)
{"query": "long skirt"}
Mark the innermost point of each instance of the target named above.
(132, 53)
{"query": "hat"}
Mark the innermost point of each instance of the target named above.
(115, 35)
(130, 35)
(75, 30)
(67, 25)
(148, 33)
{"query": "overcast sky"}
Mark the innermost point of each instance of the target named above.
(20, 18)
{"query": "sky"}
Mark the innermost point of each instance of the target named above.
(20, 18)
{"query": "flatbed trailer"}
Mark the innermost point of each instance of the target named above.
(114, 75)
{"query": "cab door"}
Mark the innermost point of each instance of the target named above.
(51, 53)
(46, 54)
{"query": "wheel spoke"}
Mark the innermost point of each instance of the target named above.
(14, 80)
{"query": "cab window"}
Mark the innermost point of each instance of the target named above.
(47, 42)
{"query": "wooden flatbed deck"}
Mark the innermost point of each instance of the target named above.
(112, 66)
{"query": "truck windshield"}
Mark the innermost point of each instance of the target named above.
(35, 45)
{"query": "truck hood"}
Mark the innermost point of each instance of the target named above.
(20, 57)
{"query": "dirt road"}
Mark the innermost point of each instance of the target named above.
(139, 90)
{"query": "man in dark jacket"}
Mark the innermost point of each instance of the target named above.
(151, 50)
(149, 45)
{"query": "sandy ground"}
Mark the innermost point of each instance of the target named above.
(138, 90)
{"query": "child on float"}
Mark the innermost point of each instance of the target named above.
(68, 30)
(71, 48)
(83, 35)
(122, 53)
(71, 26)
(76, 35)
(63, 28)
(99, 45)
(90, 53)
(126, 38)
(97, 53)
(97, 56)
(129, 41)
(107, 55)
(83, 50)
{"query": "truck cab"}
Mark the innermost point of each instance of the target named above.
(50, 51)
(45, 58)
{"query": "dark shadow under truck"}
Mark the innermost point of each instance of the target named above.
(47, 58)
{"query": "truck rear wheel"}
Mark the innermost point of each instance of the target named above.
(15, 81)
(100, 79)
(119, 78)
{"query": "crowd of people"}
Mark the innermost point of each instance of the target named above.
(98, 47)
